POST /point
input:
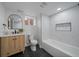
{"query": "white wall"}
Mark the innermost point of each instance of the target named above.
(39, 29)
(2, 17)
(45, 27)
(72, 37)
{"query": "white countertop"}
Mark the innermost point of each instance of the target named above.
(6, 35)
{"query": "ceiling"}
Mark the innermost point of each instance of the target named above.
(34, 8)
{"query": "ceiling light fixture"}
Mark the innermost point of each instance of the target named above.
(59, 9)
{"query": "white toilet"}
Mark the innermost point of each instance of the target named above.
(33, 43)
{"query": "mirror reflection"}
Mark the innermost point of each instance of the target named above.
(15, 21)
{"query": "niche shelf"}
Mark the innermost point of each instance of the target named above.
(63, 26)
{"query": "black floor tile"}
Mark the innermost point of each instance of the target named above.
(28, 53)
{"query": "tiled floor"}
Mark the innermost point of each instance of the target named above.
(28, 53)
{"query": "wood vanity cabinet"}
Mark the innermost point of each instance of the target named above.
(11, 45)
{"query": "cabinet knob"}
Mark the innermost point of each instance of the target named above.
(13, 39)
(8, 53)
(0, 37)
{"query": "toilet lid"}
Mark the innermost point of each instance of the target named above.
(33, 41)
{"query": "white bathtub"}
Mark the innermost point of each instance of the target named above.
(59, 49)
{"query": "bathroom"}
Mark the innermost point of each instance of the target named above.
(39, 29)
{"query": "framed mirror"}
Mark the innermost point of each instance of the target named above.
(15, 22)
